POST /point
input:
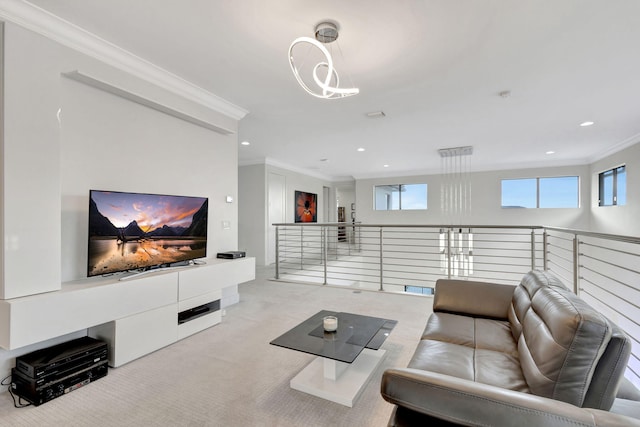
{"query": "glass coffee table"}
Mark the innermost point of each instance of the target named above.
(346, 358)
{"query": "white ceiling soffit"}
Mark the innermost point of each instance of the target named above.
(68, 34)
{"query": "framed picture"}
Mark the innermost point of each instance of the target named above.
(306, 207)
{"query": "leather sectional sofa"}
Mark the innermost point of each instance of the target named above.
(528, 355)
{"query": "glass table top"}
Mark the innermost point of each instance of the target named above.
(354, 333)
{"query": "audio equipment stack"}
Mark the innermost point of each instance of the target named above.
(51, 372)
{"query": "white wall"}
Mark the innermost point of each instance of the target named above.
(300, 182)
(618, 219)
(145, 151)
(30, 165)
(253, 236)
(100, 141)
(345, 196)
(485, 204)
(252, 211)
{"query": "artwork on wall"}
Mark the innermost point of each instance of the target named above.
(305, 208)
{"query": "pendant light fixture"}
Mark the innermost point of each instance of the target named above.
(456, 243)
(326, 82)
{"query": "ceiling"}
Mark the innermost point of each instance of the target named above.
(435, 67)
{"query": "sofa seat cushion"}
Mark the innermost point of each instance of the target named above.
(487, 334)
(476, 349)
(444, 358)
(450, 328)
(500, 370)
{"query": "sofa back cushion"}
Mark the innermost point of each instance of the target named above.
(560, 338)
(462, 296)
(523, 294)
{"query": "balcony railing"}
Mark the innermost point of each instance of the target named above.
(601, 268)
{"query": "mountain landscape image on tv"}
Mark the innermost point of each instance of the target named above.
(135, 231)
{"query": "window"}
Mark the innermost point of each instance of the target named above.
(559, 192)
(519, 193)
(612, 186)
(419, 290)
(400, 197)
(553, 192)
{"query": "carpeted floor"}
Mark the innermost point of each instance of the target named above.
(229, 375)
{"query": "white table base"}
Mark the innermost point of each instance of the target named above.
(338, 381)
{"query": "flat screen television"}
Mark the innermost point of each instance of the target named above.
(136, 231)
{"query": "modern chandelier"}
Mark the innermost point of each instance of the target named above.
(456, 243)
(326, 82)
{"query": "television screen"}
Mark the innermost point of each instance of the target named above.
(133, 231)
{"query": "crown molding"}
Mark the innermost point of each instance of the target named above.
(312, 173)
(268, 161)
(632, 140)
(48, 25)
(492, 167)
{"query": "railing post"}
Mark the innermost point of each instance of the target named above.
(381, 258)
(324, 252)
(545, 243)
(533, 249)
(576, 264)
(449, 252)
(277, 252)
(301, 248)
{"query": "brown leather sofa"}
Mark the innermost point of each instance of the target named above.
(528, 355)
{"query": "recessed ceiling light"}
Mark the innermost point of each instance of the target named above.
(550, 152)
(584, 124)
(245, 143)
(360, 149)
(385, 166)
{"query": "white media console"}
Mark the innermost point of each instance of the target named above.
(134, 317)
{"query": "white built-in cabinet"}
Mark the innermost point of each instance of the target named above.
(134, 316)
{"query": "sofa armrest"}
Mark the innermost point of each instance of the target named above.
(482, 299)
(466, 402)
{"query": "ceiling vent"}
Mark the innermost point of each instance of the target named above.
(375, 114)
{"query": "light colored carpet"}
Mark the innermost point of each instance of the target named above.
(229, 375)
